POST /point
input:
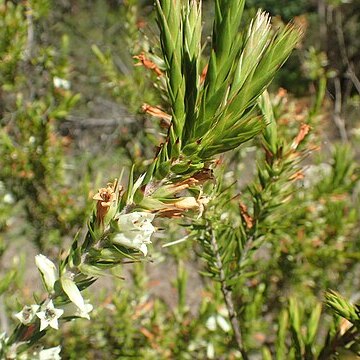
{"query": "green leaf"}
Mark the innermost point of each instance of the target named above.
(282, 335)
(6, 280)
(266, 354)
(313, 325)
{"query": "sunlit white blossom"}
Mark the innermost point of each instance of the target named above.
(211, 323)
(71, 310)
(8, 199)
(210, 351)
(50, 354)
(27, 314)
(134, 230)
(217, 320)
(61, 83)
(49, 317)
(48, 271)
(40, 354)
(223, 323)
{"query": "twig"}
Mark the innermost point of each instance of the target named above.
(73, 122)
(338, 341)
(338, 119)
(228, 297)
(322, 23)
(350, 73)
(30, 33)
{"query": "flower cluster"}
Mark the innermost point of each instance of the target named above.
(46, 312)
(131, 230)
(112, 230)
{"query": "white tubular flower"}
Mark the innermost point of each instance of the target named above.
(71, 310)
(27, 314)
(88, 308)
(72, 291)
(50, 354)
(48, 271)
(49, 317)
(134, 230)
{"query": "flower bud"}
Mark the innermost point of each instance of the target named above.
(48, 271)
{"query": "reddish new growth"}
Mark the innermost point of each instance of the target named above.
(204, 73)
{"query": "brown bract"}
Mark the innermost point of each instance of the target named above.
(157, 112)
(304, 130)
(105, 198)
(177, 207)
(299, 175)
(147, 63)
(249, 221)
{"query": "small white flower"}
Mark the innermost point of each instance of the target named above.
(134, 230)
(223, 323)
(27, 314)
(211, 323)
(61, 83)
(9, 199)
(73, 310)
(88, 308)
(48, 271)
(41, 354)
(210, 351)
(215, 321)
(49, 317)
(50, 354)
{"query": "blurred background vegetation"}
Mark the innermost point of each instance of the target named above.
(71, 118)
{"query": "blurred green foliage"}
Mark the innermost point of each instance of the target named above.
(36, 95)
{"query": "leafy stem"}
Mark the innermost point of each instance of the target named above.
(227, 293)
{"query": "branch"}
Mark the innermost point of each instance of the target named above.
(338, 341)
(227, 293)
(28, 52)
(341, 41)
(338, 119)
